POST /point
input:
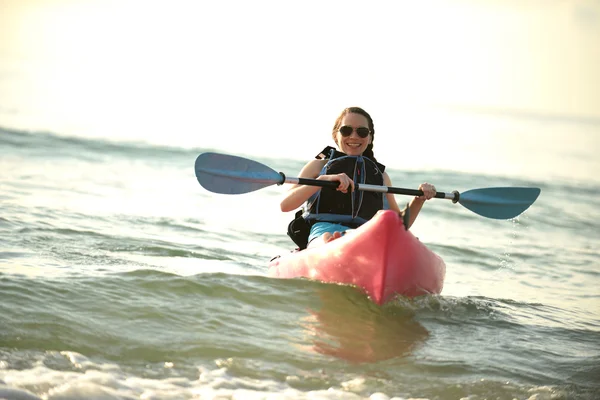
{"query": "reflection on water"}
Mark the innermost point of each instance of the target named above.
(351, 327)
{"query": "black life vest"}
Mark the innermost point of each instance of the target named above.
(350, 209)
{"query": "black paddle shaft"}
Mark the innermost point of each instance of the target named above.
(454, 196)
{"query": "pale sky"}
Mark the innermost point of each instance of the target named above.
(257, 74)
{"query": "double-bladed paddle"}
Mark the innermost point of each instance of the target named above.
(226, 174)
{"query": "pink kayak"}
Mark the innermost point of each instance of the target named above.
(380, 257)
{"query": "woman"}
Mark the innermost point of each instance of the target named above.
(331, 212)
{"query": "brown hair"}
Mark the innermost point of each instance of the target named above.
(357, 110)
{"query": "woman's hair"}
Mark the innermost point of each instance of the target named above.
(357, 110)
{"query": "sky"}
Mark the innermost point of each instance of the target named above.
(266, 75)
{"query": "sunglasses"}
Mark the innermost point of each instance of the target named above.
(347, 131)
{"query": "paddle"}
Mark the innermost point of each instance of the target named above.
(221, 173)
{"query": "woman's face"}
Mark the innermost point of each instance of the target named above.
(353, 145)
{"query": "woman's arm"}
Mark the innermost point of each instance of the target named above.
(415, 204)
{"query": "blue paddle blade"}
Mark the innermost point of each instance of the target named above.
(499, 202)
(221, 173)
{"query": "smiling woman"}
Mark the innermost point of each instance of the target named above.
(331, 212)
(361, 142)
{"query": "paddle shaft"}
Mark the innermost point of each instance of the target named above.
(454, 196)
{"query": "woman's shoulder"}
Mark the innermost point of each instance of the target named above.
(312, 168)
(316, 164)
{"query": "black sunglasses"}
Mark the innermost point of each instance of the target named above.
(347, 131)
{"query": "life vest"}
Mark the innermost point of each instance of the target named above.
(351, 209)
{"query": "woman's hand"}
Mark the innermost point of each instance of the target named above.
(428, 191)
(343, 179)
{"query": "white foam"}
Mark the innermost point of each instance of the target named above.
(105, 381)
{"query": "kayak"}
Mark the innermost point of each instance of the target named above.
(381, 258)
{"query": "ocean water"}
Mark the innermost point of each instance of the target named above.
(122, 278)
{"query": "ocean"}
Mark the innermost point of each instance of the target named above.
(122, 278)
